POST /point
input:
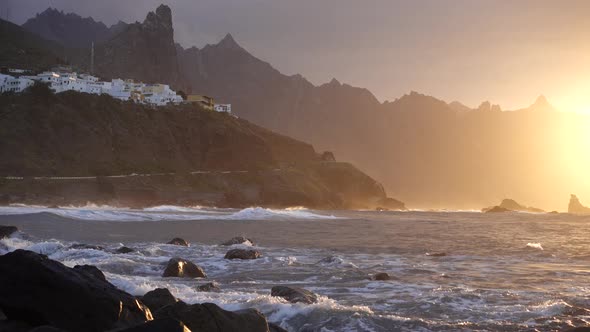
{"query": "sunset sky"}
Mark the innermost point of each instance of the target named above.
(508, 52)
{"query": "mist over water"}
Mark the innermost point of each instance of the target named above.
(509, 272)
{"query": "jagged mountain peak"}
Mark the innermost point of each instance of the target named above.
(162, 17)
(228, 42)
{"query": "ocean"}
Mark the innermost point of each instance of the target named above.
(450, 271)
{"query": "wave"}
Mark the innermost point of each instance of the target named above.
(165, 212)
(535, 245)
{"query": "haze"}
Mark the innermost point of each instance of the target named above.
(507, 52)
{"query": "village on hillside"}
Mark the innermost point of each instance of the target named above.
(63, 79)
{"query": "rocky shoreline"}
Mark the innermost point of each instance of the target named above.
(39, 294)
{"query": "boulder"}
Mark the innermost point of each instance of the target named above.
(158, 298)
(242, 254)
(382, 276)
(92, 270)
(294, 294)
(238, 240)
(46, 328)
(40, 291)
(209, 287)
(181, 268)
(85, 246)
(124, 250)
(6, 231)
(210, 317)
(496, 209)
(178, 242)
(159, 325)
(272, 327)
(576, 207)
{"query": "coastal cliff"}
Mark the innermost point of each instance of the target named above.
(74, 148)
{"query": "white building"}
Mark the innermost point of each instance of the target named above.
(224, 108)
(62, 79)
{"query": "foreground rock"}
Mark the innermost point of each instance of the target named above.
(178, 242)
(159, 325)
(6, 231)
(40, 291)
(576, 207)
(272, 327)
(294, 294)
(238, 240)
(242, 254)
(382, 276)
(181, 268)
(158, 298)
(210, 317)
(92, 270)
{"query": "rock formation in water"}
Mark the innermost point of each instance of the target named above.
(576, 207)
(512, 205)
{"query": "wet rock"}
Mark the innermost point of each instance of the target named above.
(159, 325)
(496, 209)
(578, 329)
(238, 240)
(124, 250)
(209, 287)
(158, 298)
(436, 254)
(272, 327)
(46, 328)
(242, 254)
(381, 276)
(85, 246)
(294, 294)
(6, 231)
(330, 260)
(92, 270)
(181, 268)
(210, 317)
(46, 292)
(178, 242)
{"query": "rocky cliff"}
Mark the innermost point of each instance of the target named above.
(129, 154)
(576, 207)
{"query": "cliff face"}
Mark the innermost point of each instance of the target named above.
(142, 51)
(576, 207)
(182, 155)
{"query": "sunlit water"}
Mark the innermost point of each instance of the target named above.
(508, 272)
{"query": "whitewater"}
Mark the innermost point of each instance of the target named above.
(491, 272)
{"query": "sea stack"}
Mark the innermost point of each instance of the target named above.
(576, 207)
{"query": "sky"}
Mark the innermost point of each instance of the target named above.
(507, 52)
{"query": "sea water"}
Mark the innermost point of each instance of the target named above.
(506, 271)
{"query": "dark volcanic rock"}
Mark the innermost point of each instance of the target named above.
(159, 325)
(496, 209)
(178, 242)
(294, 294)
(178, 267)
(85, 246)
(91, 270)
(382, 276)
(272, 327)
(209, 287)
(237, 240)
(40, 291)
(124, 250)
(576, 207)
(158, 298)
(6, 231)
(242, 254)
(46, 328)
(210, 317)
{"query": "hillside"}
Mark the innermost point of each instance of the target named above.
(190, 155)
(23, 49)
